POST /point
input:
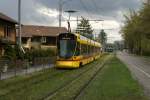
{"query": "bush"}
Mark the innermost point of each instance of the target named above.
(10, 52)
(34, 53)
(19, 53)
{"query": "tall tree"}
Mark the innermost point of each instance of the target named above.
(85, 28)
(136, 30)
(145, 19)
(103, 38)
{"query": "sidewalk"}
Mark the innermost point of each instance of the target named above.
(14, 73)
(139, 67)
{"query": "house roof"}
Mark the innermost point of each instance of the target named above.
(6, 18)
(33, 30)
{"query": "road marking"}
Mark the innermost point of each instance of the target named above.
(148, 75)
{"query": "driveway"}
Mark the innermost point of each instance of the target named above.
(139, 67)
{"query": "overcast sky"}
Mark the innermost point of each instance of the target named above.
(45, 12)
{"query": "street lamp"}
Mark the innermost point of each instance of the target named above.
(70, 12)
(61, 3)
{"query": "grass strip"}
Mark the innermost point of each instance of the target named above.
(72, 89)
(19, 82)
(113, 83)
(36, 91)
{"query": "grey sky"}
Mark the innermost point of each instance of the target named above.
(44, 12)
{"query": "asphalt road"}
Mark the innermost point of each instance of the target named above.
(139, 67)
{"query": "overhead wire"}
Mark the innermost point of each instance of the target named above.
(95, 5)
(85, 8)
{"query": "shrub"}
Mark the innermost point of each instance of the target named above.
(10, 52)
(31, 54)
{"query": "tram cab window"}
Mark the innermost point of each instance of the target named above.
(66, 48)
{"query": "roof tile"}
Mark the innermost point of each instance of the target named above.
(33, 30)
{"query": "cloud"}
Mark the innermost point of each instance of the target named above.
(45, 12)
(95, 7)
(9, 7)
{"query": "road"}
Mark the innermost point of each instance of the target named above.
(139, 67)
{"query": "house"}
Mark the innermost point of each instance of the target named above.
(7, 32)
(40, 36)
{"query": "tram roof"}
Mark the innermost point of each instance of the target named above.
(85, 40)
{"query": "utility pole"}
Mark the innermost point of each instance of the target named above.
(60, 12)
(19, 21)
(19, 31)
(77, 21)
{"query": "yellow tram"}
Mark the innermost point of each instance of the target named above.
(75, 50)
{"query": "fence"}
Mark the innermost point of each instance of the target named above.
(20, 67)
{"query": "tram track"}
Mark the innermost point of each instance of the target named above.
(62, 86)
(29, 84)
(39, 80)
(23, 80)
(50, 95)
(82, 69)
(25, 86)
(89, 81)
(71, 75)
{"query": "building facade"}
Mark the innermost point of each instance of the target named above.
(7, 32)
(40, 36)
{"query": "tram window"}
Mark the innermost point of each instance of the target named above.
(92, 49)
(96, 49)
(89, 49)
(83, 49)
(77, 50)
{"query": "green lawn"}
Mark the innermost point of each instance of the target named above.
(113, 83)
(26, 88)
(72, 89)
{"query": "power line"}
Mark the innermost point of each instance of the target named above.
(95, 5)
(61, 3)
(85, 8)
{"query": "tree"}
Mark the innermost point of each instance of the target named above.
(103, 38)
(136, 31)
(145, 18)
(132, 32)
(84, 28)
